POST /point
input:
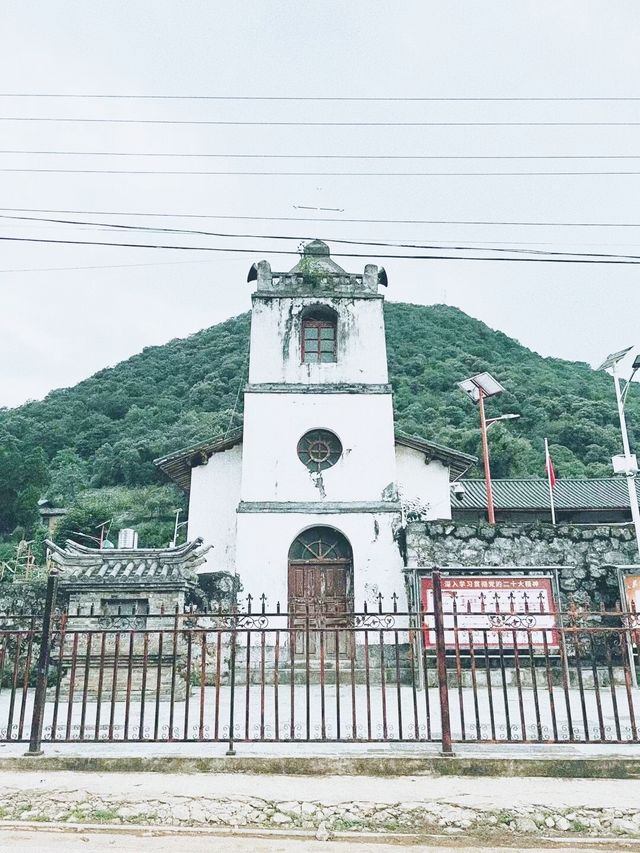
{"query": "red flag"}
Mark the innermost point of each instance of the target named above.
(551, 473)
(551, 479)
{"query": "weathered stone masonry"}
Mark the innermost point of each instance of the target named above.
(587, 554)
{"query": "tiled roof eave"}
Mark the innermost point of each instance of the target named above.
(458, 462)
(177, 465)
(79, 565)
(585, 495)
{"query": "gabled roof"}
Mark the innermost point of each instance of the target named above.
(177, 466)
(569, 494)
(83, 566)
(458, 462)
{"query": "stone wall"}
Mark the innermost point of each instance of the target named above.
(586, 554)
(23, 596)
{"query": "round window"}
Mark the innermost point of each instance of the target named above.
(319, 449)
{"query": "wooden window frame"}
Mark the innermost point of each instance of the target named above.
(311, 323)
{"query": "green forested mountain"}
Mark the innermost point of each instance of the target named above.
(105, 431)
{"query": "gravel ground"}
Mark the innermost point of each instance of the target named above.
(452, 806)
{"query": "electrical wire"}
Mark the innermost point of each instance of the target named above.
(226, 123)
(104, 266)
(301, 238)
(327, 156)
(382, 98)
(241, 217)
(227, 173)
(587, 259)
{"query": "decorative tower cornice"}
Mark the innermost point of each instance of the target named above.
(316, 273)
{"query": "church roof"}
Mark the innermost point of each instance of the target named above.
(117, 567)
(458, 462)
(177, 466)
(568, 494)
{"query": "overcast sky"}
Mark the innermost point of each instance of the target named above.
(72, 310)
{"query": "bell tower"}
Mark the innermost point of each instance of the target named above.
(318, 438)
(283, 345)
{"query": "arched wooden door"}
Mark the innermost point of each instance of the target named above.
(320, 590)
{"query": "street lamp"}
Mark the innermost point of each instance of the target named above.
(479, 388)
(626, 463)
(492, 421)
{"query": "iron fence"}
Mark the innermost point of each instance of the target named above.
(446, 675)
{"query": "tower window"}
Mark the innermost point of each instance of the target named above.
(319, 449)
(319, 337)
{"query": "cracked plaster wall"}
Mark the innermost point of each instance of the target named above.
(276, 344)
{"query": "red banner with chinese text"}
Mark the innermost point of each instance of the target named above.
(480, 610)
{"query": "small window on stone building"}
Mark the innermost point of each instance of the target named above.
(124, 612)
(319, 339)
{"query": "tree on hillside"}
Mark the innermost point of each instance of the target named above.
(83, 521)
(107, 430)
(23, 477)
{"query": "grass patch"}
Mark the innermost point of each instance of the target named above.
(95, 816)
(103, 815)
(342, 824)
(142, 819)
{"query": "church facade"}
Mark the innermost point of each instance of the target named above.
(308, 500)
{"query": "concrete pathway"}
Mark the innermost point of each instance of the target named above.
(480, 793)
(491, 811)
(21, 841)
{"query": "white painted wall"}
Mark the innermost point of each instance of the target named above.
(427, 483)
(276, 351)
(264, 540)
(213, 500)
(273, 425)
(265, 467)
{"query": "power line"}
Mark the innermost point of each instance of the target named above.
(395, 99)
(241, 217)
(300, 238)
(328, 156)
(230, 173)
(104, 266)
(633, 260)
(223, 123)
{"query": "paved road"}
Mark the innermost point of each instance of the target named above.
(24, 841)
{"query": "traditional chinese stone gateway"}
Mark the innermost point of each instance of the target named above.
(119, 589)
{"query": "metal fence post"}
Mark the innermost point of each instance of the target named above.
(40, 697)
(443, 687)
(232, 682)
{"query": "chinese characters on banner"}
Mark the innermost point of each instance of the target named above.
(483, 604)
(632, 594)
(632, 591)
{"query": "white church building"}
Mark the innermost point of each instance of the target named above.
(308, 500)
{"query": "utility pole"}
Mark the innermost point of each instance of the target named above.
(630, 463)
(177, 527)
(491, 515)
(478, 388)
